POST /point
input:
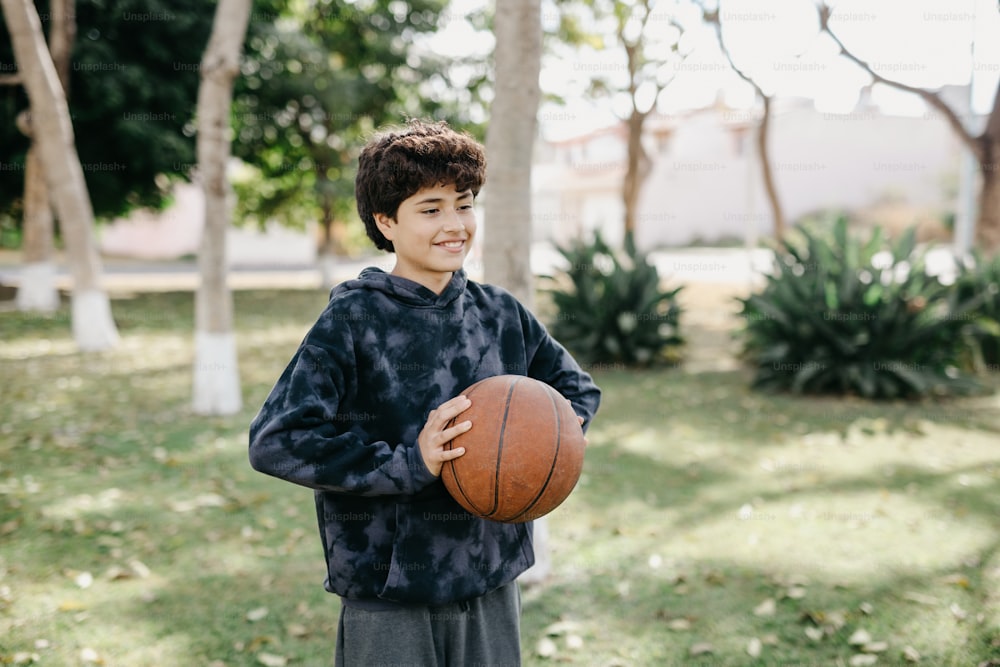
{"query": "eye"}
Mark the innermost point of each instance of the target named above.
(430, 211)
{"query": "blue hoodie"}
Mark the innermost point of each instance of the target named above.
(344, 417)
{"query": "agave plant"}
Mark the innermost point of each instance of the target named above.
(846, 315)
(612, 308)
(980, 277)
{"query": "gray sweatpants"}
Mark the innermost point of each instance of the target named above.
(484, 632)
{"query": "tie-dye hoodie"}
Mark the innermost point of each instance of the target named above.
(344, 416)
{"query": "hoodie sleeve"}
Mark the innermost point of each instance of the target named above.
(296, 436)
(551, 363)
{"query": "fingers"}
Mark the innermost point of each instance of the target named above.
(439, 431)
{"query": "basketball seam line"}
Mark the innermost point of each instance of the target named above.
(552, 468)
(503, 428)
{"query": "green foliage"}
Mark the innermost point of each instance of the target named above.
(133, 86)
(980, 279)
(316, 82)
(844, 315)
(614, 310)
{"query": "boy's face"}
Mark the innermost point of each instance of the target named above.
(432, 233)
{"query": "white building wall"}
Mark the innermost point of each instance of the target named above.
(705, 184)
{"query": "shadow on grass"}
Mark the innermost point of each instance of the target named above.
(657, 621)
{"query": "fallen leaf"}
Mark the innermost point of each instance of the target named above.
(574, 642)
(701, 648)
(959, 580)
(875, 647)
(766, 608)
(560, 628)
(866, 608)
(546, 648)
(139, 568)
(258, 614)
(198, 502)
(920, 598)
(272, 660)
(679, 624)
(862, 660)
(754, 647)
(715, 578)
(84, 580)
(795, 593)
(297, 630)
(71, 605)
(956, 611)
(859, 638)
(814, 634)
(25, 658)
(911, 654)
(91, 656)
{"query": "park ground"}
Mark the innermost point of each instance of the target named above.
(712, 526)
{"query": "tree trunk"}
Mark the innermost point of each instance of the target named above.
(510, 139)
(37, 290)
(329, 246)
(636, 170)
(216, 373)
(988, 220)
(93, 326)
(766, 172)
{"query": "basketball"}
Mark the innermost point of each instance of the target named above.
(523, 454)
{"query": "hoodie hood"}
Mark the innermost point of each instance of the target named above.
(404, 290)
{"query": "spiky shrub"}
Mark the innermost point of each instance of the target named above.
(611, 308)
(980, 279)
(845, 315)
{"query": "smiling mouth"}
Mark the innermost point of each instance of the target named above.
(451, 245)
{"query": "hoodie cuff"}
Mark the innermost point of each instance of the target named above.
(422, 475)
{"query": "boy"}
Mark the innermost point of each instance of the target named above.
(361, 416)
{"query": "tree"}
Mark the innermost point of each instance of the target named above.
(93, 326)
(650, 38)
(37, 290)
(131, 89)
(510, 138)
(216, 372)
(985, 146)
(315, 84)
(770, 188)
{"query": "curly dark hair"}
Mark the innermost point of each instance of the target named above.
(397, 163)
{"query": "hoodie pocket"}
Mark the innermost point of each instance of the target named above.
(441, 553)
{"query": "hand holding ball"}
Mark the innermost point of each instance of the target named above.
(523, 454)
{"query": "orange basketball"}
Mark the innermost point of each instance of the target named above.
(523, 454)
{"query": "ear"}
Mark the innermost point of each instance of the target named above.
(385, 224)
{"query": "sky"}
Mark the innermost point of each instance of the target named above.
(927, 43)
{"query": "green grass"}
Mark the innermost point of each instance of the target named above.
(134, 532)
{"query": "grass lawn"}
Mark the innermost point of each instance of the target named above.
(713, 526)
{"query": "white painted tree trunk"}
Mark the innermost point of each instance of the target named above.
(93, 326)
(216, 370)
(510, 139)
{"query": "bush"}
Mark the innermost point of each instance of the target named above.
(613, 309)
(843, 315)
(981, 279)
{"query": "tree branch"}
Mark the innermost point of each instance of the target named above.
(933, 99)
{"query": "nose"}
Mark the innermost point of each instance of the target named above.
(453, 222)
